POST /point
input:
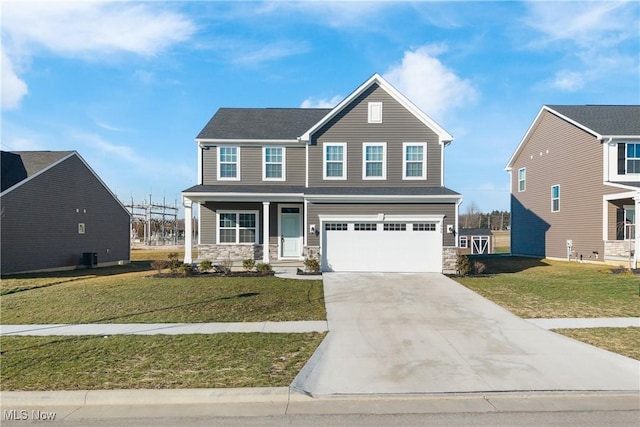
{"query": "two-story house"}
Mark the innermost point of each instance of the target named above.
(360, 186)
(575, 184)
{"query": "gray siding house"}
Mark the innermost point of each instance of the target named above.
(359, 186)
(575, 184)
(57, 214)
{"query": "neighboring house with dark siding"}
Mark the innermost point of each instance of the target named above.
(360, 186)
(575, 184)
(57, 214)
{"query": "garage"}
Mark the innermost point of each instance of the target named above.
(386, 246)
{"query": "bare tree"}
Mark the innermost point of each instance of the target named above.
(472, 216)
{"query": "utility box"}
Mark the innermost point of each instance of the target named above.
(90, 259)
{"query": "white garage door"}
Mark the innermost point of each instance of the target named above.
(382, 246)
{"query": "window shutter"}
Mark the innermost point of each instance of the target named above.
(622, 157)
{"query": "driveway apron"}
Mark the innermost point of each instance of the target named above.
(395, 333)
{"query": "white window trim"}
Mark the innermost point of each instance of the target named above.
(384, 161)
(374, 112)
(344, 161)
(424, 160)
(524, 180)
(257, 234)
(553, 198)
(464, 239)
(627, 158)
(237, 177)
(284, 164)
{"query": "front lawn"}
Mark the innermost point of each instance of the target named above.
(551, 289)
(624, 341)
(127, 295)
(154, 362)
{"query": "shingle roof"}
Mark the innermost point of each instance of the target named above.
(475, 232)
(17, 166)
(607, 120)
(261, 123)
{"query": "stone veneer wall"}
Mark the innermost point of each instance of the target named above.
(449, 258)
(219, 253)
(618, 249)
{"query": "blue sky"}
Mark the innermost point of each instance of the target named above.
(129, 85)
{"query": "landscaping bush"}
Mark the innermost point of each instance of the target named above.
(312, 265)
(264, 269)
(205, 265)
(248, 264)
(159, 265)
(174, 262)
(463, 267)
(478, 267)
(225, 266)
(185, 269)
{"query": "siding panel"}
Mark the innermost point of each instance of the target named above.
(398, 126)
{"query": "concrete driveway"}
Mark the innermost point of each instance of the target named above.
(425, 333)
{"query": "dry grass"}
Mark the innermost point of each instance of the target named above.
(625, 341)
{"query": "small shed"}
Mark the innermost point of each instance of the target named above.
(57, 214)
(476, 241)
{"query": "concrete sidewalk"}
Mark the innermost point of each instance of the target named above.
(574, 323)
(164, 328)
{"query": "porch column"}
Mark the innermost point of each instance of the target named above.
(188, 231)
(636, 256)
(265, 232)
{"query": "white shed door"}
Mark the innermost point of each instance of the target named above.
(382, 246)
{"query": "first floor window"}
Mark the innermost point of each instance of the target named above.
(237, 227)
(464, 242)
(555, 198)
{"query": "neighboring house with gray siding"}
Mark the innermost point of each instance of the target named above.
(575, 184)
(57, 214)
(360, 186)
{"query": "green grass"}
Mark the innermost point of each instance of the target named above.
(625, 341)
(533, 288)
(127, 295)
(154, 362)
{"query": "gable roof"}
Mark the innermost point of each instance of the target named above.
(601, 121)
(280, 124)
(443, 135)
(18, 166)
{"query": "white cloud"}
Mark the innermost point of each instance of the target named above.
(266, 52)
(569, 81)
(13, 87)
(321, 102)
(428, 83)
(87, 30)
(21, 144)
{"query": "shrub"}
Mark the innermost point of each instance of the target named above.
(205, 265)
(159, 265)
(478, 267)
(312, 265)
(248, 264)
(225, 266)
(462, 265)
(174, 262)
(263, 269)
(185, 269)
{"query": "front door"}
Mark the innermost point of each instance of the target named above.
(290, 232)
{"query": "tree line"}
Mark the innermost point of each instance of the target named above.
(494, 220)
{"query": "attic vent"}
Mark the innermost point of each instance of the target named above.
(375, 112)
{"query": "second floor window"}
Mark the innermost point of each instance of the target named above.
(374, 161)
(414, 161)
(334, 161)
(522, 179)
(228, 163)
(555, 198)
(273, 168)
(633, 158)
